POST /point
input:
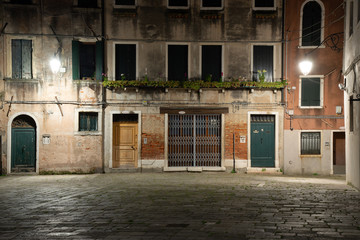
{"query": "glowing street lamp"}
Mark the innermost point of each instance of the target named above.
(55, 64)
(305, 67)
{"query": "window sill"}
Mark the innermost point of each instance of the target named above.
(311, 107)
(311, 47)
(267, 9)
(87, 9)
(21, 80)
(87, 133)
(311, 156)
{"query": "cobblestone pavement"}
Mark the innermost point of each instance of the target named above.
(177, 206)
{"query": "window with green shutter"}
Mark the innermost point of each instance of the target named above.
(21, 51)
(87, 60)
(310, 92)
(88, 121)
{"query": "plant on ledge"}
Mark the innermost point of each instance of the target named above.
(192, 84)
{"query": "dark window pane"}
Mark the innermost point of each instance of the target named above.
(87, 60)
(21, 1)
(351, 20)
(125, 61)
(311, 24)
(211, 3)
(264, 3)
(21, 51)
(358, 15)
(211, 63)
(125, 2)
(88, 121)
(310, 92)
(178, 3)
(310, 143)
(87, 3)
(263, 57)
(177, 62)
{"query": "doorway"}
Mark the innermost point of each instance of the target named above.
(125, 141)
(23, 144)
(339, 153)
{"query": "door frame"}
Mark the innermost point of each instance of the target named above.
(9, 136)
(276, 133)
(110, 123)
(332, 149)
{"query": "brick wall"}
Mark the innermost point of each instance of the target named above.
(238, 126)
(153, 130)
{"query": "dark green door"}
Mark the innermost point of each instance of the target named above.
(263, 141)
(23, 149)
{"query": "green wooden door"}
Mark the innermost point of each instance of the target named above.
(263, 141)
(23, 148)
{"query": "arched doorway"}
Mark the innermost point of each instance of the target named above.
(23, 144)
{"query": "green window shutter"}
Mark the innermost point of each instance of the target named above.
(310, 92)
(75, 60)
(93, 122)
(82, 122)
(99, 59)
(26, 59)
(16, 58)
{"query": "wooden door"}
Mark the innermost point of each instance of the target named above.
(125, 145)
(23, 149)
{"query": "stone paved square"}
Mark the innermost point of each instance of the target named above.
(178, 206)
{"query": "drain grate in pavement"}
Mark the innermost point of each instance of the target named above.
(177, 225)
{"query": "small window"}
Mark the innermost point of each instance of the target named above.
(178, 3)
(125, 3)
(87, 3)
(211, 63)
(310, 143)
(263, 59)
(177, 62)
(311, 24)
(358, 11)
(310, 92)
(264, 5)
(87, 60)
(212, 4)
(125, 62)
(88, 121)
(351, 20)
(21, 51)
(21, 1)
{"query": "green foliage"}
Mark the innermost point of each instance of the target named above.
(192, 84)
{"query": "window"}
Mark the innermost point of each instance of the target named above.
(125, 3)
(87, 3)
(263, 59)
(88, 121)
(178, 3)
(177, 62)
(211, 62)
(311, 24)
(21, 51)
(125, 61)
(358, 11)
(21, 1)
(87, 59)
(212, 4)
(311, 92)
(351, 20)
(310, 143)
(264, 5)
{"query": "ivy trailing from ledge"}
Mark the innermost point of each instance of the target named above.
(193, 85)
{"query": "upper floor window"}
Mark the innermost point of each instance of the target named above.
(87, 60)
(211, 61)
(264, 5)
(21, 1)
(263, 59)
(21, 54)
(125, 3)
(87, 3)
(125, 61)
(311, 92)
(311, 34)
(178, 4)
(211, 4)
(351, 20)
(177, 62)
(358, 11)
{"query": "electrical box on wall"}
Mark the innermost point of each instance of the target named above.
(338, 109)
(46, 139)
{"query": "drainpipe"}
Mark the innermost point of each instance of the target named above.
(282, 47)
(103, 88)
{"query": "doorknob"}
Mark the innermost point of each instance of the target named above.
(133, 148)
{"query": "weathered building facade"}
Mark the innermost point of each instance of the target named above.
(314, 136)
(182, 87)
(351, 87)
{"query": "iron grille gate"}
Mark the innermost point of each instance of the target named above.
(194, 140)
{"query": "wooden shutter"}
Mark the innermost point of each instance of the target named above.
(99, 59)
(21, 51)
(263, 58)
(26, 59)
(16, 58)
(310, 92)
(75, 60)
(211, 62)
(177, 62)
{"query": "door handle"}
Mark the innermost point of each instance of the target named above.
(132, 147)
(23, 148)
(261, 140)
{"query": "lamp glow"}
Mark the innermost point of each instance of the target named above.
(305, 67)
(55, 65)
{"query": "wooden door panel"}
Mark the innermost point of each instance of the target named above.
(124, 145)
